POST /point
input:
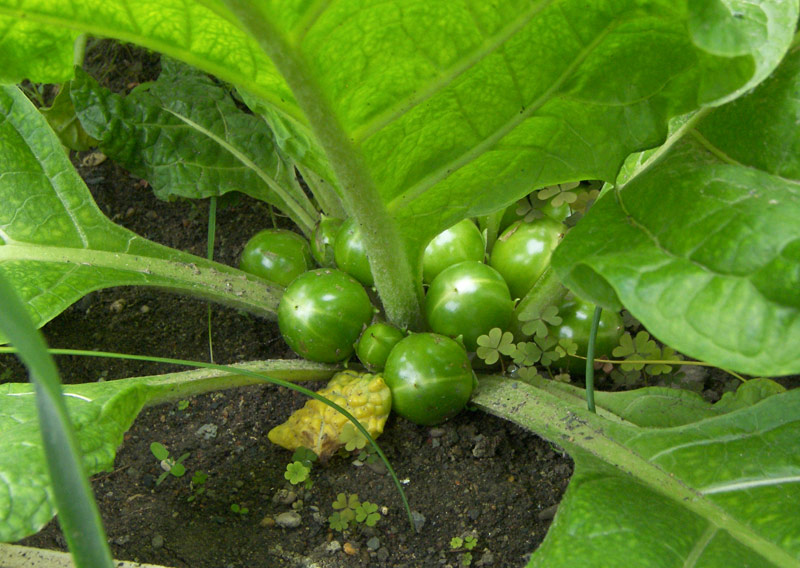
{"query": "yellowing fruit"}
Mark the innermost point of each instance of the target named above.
(318, 427)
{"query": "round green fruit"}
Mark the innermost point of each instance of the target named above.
(463, 241)
(350, 254)
(468, 299)
(323, 239)
(576, 324)
(430, 378)
(277, 255)
(376, 343)
(322, 313)
(523, 252)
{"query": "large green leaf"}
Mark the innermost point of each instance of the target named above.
(186, 136)
(101, 413)
(715, 492)
(56, 245)
(703, 244)
(437, 111)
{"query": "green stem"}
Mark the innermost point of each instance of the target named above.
(590, 359)
(212, 228)
(392, 268)
(182, 273)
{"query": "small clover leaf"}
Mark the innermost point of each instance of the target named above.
(549, 353)
(527, 373)
(368, 514)
(491, 346)
(470, 542)
(666, 354)
(535, 321)
(585, 199)
(304, 455)
(560, 194)
(566, 347)
(337, 522)
(296, 472)
(638, 348)
(562, 378)
(456, 542)
(352, 438)
(527, 353)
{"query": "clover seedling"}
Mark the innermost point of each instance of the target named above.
(349, 509)
(299, 470)
(239, 510)
(170, 466)
(464, 545)
(352, 438)
(368, 514)
(197, 485)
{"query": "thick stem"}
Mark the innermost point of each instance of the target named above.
(400, 291)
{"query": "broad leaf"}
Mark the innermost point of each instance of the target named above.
(441, 111)
(101, 413)
(703, 245)
(56, 245)
(185, 135)
(710, 493)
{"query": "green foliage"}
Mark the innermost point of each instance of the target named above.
(171, 466)
(239, 509)
(352, 438)
(197, 485)
(496, 343)
(464, 546)
(297, 472)
(642, 348)
(349, 509)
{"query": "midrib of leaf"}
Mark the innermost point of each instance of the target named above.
(700, 546)
(313, 14)
(96, 29)
(420, 95)
(445, 170)
(301, 214)
(203, 278)
(716, 151)
(580, 431)
(399, 290)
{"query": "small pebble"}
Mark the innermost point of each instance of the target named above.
(288, 520)
(486, 559)
(284, 497)
(419, 520)
(207, 431)
(333, 546)
(383, 554)
(349, 549)
(374, 543)
(436, 432)
(157, 541)
(267, 522)
(547, 514)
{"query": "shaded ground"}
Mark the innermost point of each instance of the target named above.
(475, 475)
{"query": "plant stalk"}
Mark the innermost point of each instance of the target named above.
(400, 291)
